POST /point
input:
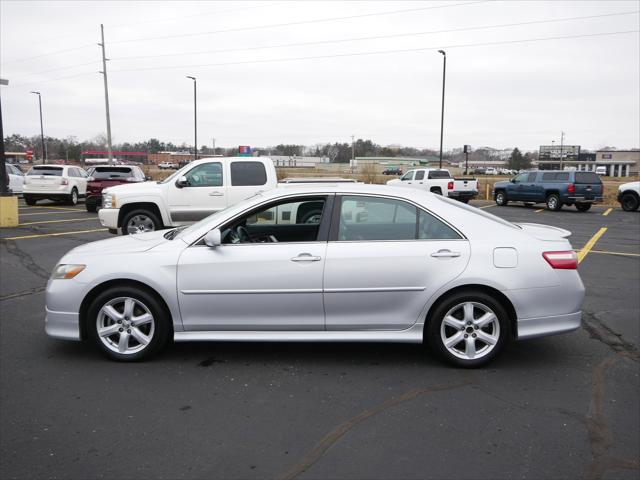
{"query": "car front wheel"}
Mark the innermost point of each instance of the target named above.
(501, 198)
(629, 202)
(468, 329)
(128, 324)
(140, 221)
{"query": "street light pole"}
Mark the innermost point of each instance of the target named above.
(444, 76)
(561, 145)
(44, 149)
(195, 120)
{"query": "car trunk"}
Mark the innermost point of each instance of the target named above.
(544, 232)
(45, 178)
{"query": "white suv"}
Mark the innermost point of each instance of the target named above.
(55, 182)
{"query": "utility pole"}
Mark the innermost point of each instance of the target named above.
(44, 148)
(106, 96)
(561, 145)
(444, 76)
(195, 120)
(214, 146)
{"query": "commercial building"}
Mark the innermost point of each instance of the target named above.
(294, 161)
(618, 163)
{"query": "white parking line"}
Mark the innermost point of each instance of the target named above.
(46, 213)
(55, 234)
(55, 221)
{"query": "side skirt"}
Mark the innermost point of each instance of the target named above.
(410, 335)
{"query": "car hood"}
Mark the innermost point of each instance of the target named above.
(544, 232)
(139, 188)
(629, 186)
(123, 244)
(394, 181)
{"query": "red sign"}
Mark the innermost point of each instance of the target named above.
(244, 150)
(29, 154)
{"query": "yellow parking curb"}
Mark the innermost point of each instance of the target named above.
(607, 212)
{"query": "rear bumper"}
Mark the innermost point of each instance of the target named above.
(468, 195)
(544, 326)
(594, 199)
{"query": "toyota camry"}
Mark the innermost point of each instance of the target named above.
(343, 262)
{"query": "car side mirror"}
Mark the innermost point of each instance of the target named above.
(213, 238)
(513, 180)
(182, 182)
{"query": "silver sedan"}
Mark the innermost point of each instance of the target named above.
(332, 263)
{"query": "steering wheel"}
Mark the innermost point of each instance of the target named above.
(243, 235)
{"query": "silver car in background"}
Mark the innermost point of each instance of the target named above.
(376, 264)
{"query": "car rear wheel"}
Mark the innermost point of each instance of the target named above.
(553, 202)
(629, 202)
(583, 207)
(140, 221)
(29, 200)
(468, 329)
(128, 324)
(73, 197)
(501, 198)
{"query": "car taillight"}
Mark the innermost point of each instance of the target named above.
(64, 181)
(450, 186)
(571, 188)
(567, 260)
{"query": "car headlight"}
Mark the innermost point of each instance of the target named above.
(68, 271)
(108, 200)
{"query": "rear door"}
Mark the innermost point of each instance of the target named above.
(247, 177)
(385, 258)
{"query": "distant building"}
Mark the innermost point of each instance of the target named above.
(296, 161)
(619, 163)
(173, 157)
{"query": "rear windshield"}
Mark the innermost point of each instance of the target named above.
(477, 211)
(587, 177)
(439, 174)
(44, 170)
(103, 173)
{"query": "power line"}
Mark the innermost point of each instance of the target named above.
(376, 37)
(67, 67)
(57, 52)
(377, 52)
(301, 22)
(356, 54)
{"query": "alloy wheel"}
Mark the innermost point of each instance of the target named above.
(125, 325)
(140, 224)
(470, 330)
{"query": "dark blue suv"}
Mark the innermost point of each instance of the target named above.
(555, 188)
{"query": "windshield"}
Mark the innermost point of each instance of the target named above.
(477, 211)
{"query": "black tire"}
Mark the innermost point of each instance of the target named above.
(162, 327)
(553, 202)
(155, 223)
(629, 202)
(583, 207)
(435, 327)
(29, 200)
(73, 197)
(91, 208)
(501, 198)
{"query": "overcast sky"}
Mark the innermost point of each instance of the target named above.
(498, 94)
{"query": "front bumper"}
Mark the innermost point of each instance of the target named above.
(94, 201)
(62, 325)
(544, 326)
(109, 217)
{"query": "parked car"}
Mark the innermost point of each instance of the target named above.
(629, 196)
(15, 177)
(555, 188)
(392, 171)
(439, 181)
(479, 171)
(491, 171)
(105, 176)
(195, 191)
(55, 182)
(167, 165)
(419, 268)
(601, 170)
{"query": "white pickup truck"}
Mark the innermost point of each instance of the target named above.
(167, 165)
(197, 190)
(440, 181)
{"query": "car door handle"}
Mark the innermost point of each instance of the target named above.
(306, 257)
(216, 194)
(445, 254)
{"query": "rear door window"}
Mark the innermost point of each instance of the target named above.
(439, 174)
(245, 173)
(105, 173)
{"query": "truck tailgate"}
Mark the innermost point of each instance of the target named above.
(465, 185)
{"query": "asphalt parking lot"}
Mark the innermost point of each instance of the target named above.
(557, 407)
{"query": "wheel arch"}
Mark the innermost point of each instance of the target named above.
(493, 292)
(98, 289)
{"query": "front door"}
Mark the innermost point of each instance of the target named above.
(516, 189)
(267, 274)
(385, 261)
(203, 195)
